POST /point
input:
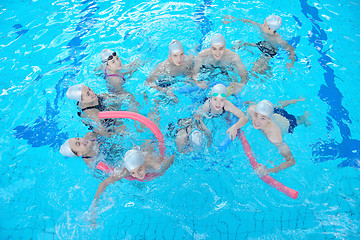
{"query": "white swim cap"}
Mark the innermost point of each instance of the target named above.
(196, 138)
(219, 88)
(74, 92)
(274, 22)
(133, 159)
(265, 107)
(105, 54)
(66, 150)
(175, 46)
(217, 39)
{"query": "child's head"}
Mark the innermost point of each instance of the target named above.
(274, 22)
(196, 139)
(217, 45)
(134, 162)
(81, 93)
(75, 147)
(218, 96)
(111, 60)
(176, 53)
(262, 114)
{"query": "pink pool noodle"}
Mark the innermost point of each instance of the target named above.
(137, 117)
(266, 178)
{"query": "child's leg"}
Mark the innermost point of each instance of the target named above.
(261, 65)
(303, 119)
(292, 101)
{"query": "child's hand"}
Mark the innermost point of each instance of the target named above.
(226, 18)
(289, 66)
(92, 215)
(202, 84)
(301, 99)
(232, 131)
(261, 170)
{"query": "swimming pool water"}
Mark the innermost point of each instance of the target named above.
(48, 46)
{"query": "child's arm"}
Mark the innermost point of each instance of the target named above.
(198, 116)
(198, 62)
(167, 163)
(226, 19)
(130, 68)
(286, 153)
(111, 179)
(250, 21)
(154, 76)
(240, 123)
(284, 44)
(241, 69)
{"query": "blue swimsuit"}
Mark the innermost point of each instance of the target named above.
(289, 117)
(267, 49)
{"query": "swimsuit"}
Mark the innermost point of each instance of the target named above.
(210, 114)
(290, 118)
(101, 107)
(210, 67)
(267, 49)
(165, 82)
(114, 75)
(148, 177)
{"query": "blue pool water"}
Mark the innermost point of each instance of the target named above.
(48, 46)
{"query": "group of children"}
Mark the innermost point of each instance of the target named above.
(144, 164)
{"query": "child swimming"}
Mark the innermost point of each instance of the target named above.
(90, 105)
(217, 56)
(138, 166)
(112, 68)
(177, 64)
(189, 136)
(270, 45)
(217, 105)
(274, 122)
(86, 147)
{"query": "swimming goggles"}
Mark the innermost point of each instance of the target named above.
(110, 57)
(221, 95)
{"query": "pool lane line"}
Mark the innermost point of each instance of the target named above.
(330, 149)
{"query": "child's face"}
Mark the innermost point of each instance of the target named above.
(139, 172)
(87, 95)
(79, 146)
(218, 102)
(177, 58)
(217, 51)
(114, 64)
(259, 121)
